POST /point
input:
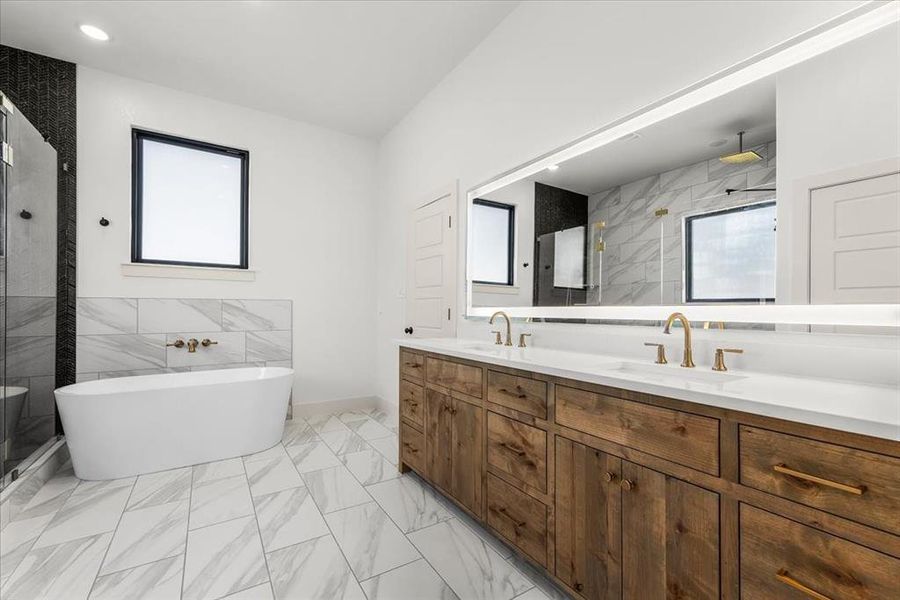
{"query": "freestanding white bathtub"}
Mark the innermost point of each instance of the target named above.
(131, 425)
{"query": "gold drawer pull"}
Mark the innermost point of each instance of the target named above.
(517, 394)
(786, 579)
(513, 449)
(858, 490)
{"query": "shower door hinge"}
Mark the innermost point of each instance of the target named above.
(6, 154)
(450, 222)
(448, 314)
(6, 104)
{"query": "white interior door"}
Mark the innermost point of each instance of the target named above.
(431, 269)
(855, 242)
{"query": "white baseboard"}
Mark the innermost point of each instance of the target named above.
(331, 406)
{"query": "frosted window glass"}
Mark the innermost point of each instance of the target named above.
(490, 231)
(191, 203)
(568, 258)
(733, 255)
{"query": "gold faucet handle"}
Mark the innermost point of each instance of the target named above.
(179, 343)
(207, 342)
(660, 353)
(522, 337)
(719, 363)
(497, 339)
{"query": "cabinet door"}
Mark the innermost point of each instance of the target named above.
(467, 455)
(438, 437)
(670, 537)
(588, 520)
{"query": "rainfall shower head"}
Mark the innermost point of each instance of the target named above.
(741, 157)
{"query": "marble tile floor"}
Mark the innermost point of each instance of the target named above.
(322, 515)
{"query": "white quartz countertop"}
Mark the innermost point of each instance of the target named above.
(872, 410)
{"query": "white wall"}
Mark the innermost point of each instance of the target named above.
(311, 220)
(549, 73)
(521, 195)
(838, 110)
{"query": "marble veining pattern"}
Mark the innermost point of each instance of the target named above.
(120, 337)
(296, 521)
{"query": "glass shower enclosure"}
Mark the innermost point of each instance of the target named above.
(28, 254)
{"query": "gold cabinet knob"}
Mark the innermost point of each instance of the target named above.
(610, 476)
(627, 485)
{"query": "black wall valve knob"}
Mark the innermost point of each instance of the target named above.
(25, 214)
(104, 221)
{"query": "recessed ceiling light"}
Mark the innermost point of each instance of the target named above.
(553, 167)
(95, 33)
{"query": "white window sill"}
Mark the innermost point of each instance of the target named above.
(494, 288)
(182, 272)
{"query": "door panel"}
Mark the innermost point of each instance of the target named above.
(467, 455)
(438, 433)
(855, 242)
(431, 267)
(588, 520)
(670, 537)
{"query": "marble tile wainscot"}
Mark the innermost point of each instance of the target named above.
(118, 337)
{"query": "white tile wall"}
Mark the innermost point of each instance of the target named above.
(119, 337)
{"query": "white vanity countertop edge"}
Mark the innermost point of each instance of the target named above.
(872, 410)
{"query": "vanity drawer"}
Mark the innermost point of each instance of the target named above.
(861, 486)
(455, 376)
(784, 559)
(518, 393)
(412, 448)
(518, 517)
(412, 403)
(412, 366)
(687, 439)
(517, 449)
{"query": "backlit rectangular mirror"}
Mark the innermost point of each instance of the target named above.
(782, 191)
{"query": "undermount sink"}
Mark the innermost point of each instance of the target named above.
(493, 348)
(673, 373)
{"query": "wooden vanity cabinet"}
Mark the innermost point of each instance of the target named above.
(588, 520)
(619, 494)
(454, 448)
(623, 530)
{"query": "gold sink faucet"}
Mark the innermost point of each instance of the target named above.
(508, 328)
(688, 358)
(192, 345)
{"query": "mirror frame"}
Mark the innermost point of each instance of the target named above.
(818, 40)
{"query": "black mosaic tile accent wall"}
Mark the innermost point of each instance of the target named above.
(555, 209)
(43, 88)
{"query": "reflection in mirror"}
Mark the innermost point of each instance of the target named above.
(622, 224)
(702, 208)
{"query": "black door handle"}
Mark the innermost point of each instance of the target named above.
(408, 330)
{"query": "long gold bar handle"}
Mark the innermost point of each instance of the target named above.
(857, 490)
(786, 579)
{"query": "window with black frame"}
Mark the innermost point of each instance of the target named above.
(493, 242)
(730, 254)
(189, 202)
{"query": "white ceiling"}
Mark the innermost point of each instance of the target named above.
(357, 67)
(678, 141)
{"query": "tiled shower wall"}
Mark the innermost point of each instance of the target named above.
(118, 337)
(631, 270)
